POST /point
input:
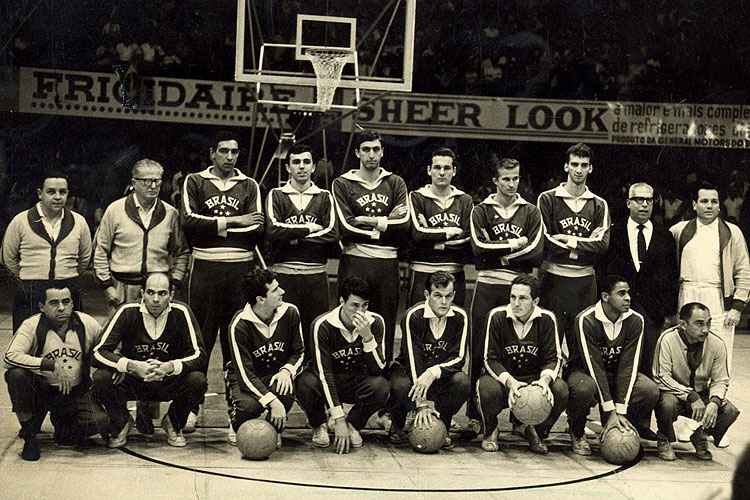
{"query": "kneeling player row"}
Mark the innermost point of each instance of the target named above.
(152, 350)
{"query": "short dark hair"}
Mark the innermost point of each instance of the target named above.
(52, 174)
(354, 285)
(580, 150)
(609, 282)
(505, 164)
(54, 286)
(439, 279)
(365, 136)
(530, 281)
(299, 149)
(445, 151)
(255, 284)
(686, 311)
(709, 186)
(224, 135)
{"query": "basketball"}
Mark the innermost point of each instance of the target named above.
(619, 447)
(428, 440)
(256, 439)
(531, 406)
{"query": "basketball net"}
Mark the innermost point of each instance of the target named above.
(328, 65)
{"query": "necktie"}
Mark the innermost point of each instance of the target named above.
(641, 244)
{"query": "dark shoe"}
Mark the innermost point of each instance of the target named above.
(700, 442)
(647, 434)
(31, 450)
(397, 436)
(536, 445)
(143, 417)
(664, 450)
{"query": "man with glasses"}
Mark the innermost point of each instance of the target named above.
(139, 234)
(644, 254)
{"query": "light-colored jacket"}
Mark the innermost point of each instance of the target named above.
(735, 263)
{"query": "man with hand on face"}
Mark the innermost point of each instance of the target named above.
(300, 224)
(428, 373)
(690, 367)
(150, 351)
(347, 367)
(222, 216)
(267, 349)
(440, 215)
(604, 362)
(372, 207)
(46, 244)
(521, 347)
(48, 363)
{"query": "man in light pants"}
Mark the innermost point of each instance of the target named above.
(714, 265)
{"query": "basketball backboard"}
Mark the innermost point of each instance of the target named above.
(274, 36)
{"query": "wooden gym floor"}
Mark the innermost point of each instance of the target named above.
(209, 468)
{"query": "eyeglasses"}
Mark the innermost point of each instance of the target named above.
(144, 181)
(641, 200)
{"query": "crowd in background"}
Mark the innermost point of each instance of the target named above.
(673, 51)
(624, 49)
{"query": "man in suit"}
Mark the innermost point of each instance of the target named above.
(644, 254)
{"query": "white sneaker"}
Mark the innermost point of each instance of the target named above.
(320, 437)
(232, 436)
(355, 438)
(724, 443)
(122, 437)
(190, 423)
(174, 437)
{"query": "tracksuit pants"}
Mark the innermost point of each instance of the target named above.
(368, 394)
(449, 393)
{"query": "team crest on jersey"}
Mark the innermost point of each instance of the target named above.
(374, 203)
(506, 230)
(576, 226)
(301, 219)
(445, 219)
(346, 353)
(440, 345)
(269, 347)
(152, 349)
(220, 204)
(63, 352)
(529, 349)
(611, 355)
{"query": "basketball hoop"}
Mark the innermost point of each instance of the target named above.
(328, 64)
